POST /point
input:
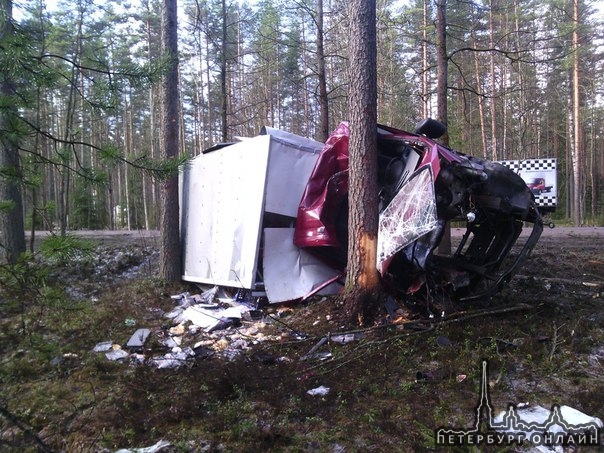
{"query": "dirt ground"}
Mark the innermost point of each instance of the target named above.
(391, 385)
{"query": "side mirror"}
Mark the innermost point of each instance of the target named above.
(430, 128)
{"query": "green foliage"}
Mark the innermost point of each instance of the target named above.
(59, 249)
(6, 205)
(87, 213)
(160, 169)
(22, 276)
(110, 154)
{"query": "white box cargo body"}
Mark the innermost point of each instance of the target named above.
(226, 195)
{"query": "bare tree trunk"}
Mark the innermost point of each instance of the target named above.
(425, 66)
(11, 218)
(223, 75)
(362, 279)
(442, 61)
(170, 256)
(306, 104)
(64, 194)
(323, 100)
(577, 146)
(129, 148)
(493, 154)
(208, 65)
(479, 91)
(569, 165)
(592, 171)
(152, 123)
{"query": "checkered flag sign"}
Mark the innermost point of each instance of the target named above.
(540, 176)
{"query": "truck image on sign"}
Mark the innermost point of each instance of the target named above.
(537, 186)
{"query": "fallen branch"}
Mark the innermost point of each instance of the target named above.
(433, 325)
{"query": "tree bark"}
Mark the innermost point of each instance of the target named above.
(362, 279)
(322, 76)
(425, 66)
(223, 75)
(442, 61)
(494, 153)
(13, 229)
(577, 144)
(479, 90)
(170, 256)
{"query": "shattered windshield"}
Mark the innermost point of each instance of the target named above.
(410, 215)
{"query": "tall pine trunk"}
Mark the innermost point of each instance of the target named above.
(223, 75)
(577, 144)
(442, 61)
(362, 280)
(322, 76)
(170, 264)
(11, 217)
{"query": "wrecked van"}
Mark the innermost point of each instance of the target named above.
(423, 186)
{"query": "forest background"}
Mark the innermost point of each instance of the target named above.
(524, 81)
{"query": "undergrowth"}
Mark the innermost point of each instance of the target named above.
(388, 390)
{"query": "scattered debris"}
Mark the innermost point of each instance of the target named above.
(137, 340)
(157, 447)
(345, 338)
(117, 353)
(103, 346)
(174, 359)
(202, 326)
(547, 429)
(319, 391)
(312, 354)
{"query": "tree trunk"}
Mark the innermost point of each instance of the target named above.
(152, 127)
(13, 229)
(170, 264)
(493, 154)
(479, 92)
(362, 279)
(425, 66)
(577, 145)
(223, 75)
(322, 74)
(208, 65)
(442, 61)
